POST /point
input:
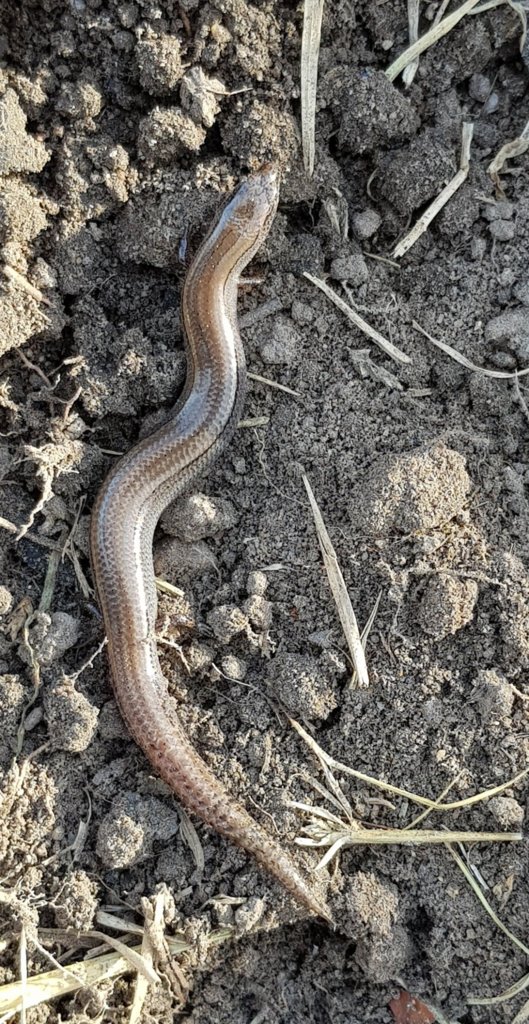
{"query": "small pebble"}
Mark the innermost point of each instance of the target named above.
(174, 559)
(234, 668)
(76, 903)
(366, 223)
(502, 230)
(6, 600)
(479, 88)
(71, 718)
(279, 342)
(197, 516)
(491, 104)
(521, 292)
(159, 63)
(350, 268)
(507, 811)
(259, 612)
(227, 621)
(502, 210)
(256, 583)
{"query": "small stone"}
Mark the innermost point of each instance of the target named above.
(303, 684)
(259, 612)
(160, 64)
(234, 668)
(502, 210)
(507, 811)
(165, 134)
(127, 833)
(411, 491)
(510, 329)
(302, 313)
(350, 268)
(175, 560)
(494, 696)
(366, 223)
(71, 718)
(198, 96)
(479, 88)
(76, 903)
(502, 230)
(6, 600)
(278, 341)
(227, 621)
(521, 292)
(256, 583)
(58, 633)
(491, 104)
(447, 605)
(197, 516)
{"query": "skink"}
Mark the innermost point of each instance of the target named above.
(139, 488)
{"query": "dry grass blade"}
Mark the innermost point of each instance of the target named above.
(459, 358)
(273, 384)
(370, 780)
(522, 1015)
(518, 8)
(310, 48)
(367, 629)
(190, 836)
(517, 147)
(85, 974)
(339, 592)
(485, 903)
(387, 346)
(503, 997)
(323, 833)
(441, 200)
(21, 282)
(429, 38)
(413, 29)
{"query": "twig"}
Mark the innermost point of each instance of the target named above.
(429, 38)
(273, 384)
(459, 358)
(441, 200)
(413, 30)
(387, 346)
(14, 276)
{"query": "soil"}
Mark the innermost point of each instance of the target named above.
(123, 127)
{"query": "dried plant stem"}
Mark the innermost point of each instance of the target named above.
(429, 38)
(441, 200)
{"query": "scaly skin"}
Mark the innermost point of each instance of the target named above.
(140, 487)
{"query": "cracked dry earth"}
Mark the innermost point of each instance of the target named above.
(123, 126)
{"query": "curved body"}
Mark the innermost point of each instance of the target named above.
(137, 491)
